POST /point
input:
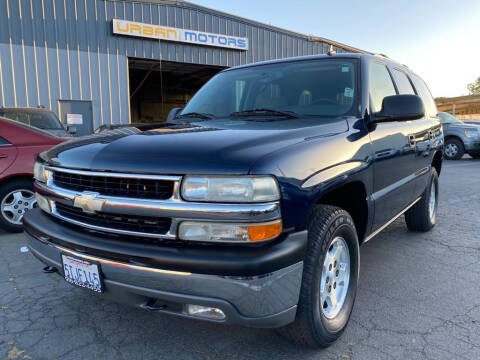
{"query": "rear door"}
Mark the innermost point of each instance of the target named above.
(428, 128)
(422, 133)
(394, 152)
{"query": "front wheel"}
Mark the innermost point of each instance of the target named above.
(454, 149)
(423, 215)
(330, 277)
(16, 198)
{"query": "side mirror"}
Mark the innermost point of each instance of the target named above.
(173, 113)
(72, 129)
(400, 108)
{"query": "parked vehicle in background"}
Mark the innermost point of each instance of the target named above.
(40, 118)
(460, 137)
(108, 127)
(250, 208)
(19, 146)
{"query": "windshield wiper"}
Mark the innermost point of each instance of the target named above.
(203, 116)
(264, 111)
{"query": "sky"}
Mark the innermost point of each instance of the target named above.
(437, 39)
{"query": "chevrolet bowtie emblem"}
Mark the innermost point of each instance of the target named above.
(88, 202)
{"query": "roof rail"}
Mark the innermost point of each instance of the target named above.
(386, 57)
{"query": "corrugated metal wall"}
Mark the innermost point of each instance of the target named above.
(54, 50)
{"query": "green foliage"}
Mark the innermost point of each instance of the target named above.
(474, 88)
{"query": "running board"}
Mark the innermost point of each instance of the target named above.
(376, 232)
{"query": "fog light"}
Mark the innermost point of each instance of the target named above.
(205, 312)
(43, 203)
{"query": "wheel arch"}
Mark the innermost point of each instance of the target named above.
(351, 197)
(15, 177)
(453, 136)
(437, 161)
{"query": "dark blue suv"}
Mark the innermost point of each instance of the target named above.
(250, 205)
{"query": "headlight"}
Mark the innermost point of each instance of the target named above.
(225, 232)
(472, 133)
(234, 189)
(39, 172)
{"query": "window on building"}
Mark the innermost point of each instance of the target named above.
(403, 84)
(381, 85)
(424, 93)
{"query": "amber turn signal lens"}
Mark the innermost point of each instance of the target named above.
(264, 231)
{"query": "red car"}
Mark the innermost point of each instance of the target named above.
(19, 146)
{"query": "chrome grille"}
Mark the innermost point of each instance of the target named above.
(140, 188)
(136, 223)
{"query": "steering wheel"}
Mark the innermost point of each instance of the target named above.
(324, 100)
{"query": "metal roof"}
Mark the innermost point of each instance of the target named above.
(311, 38)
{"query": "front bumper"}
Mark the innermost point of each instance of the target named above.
(258, 299)
(472, 146)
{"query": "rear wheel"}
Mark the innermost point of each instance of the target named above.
(16, 198)
(423, 215)
(330, 276)
(454, 149)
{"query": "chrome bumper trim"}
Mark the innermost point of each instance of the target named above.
(109, 262)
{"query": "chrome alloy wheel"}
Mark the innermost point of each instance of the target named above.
(16, 203)
(451, 150)
(335, 278)
(433, 202)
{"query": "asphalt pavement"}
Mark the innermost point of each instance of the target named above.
(418, 298)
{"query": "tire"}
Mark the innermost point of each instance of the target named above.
(454, 149)
(421, 217)
(9, 214)
(312, 326)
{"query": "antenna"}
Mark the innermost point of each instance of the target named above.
(331, 51)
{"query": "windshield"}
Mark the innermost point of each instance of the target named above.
(446, 118)
(309, 88)
(40, 119)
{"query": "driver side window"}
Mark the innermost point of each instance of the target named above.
(381, 85)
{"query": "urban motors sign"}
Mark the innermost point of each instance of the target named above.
(131, 28)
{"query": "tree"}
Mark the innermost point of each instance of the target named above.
(474, 88)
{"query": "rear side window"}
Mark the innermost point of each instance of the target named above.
(381, 85)
(3, 141)
(403, 84)
(426, 96)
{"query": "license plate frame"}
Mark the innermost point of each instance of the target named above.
(85, 278)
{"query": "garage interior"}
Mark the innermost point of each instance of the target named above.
(156, 87)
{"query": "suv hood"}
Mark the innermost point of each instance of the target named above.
(206, 147)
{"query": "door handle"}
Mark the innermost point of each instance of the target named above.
(3, 156)
(411, 140)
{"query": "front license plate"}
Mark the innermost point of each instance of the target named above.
(82, 273)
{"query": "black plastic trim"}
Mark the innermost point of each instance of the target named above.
(199, 259)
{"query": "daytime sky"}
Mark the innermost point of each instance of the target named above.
(439, 40)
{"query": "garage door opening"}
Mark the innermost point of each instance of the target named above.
(157, 87)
